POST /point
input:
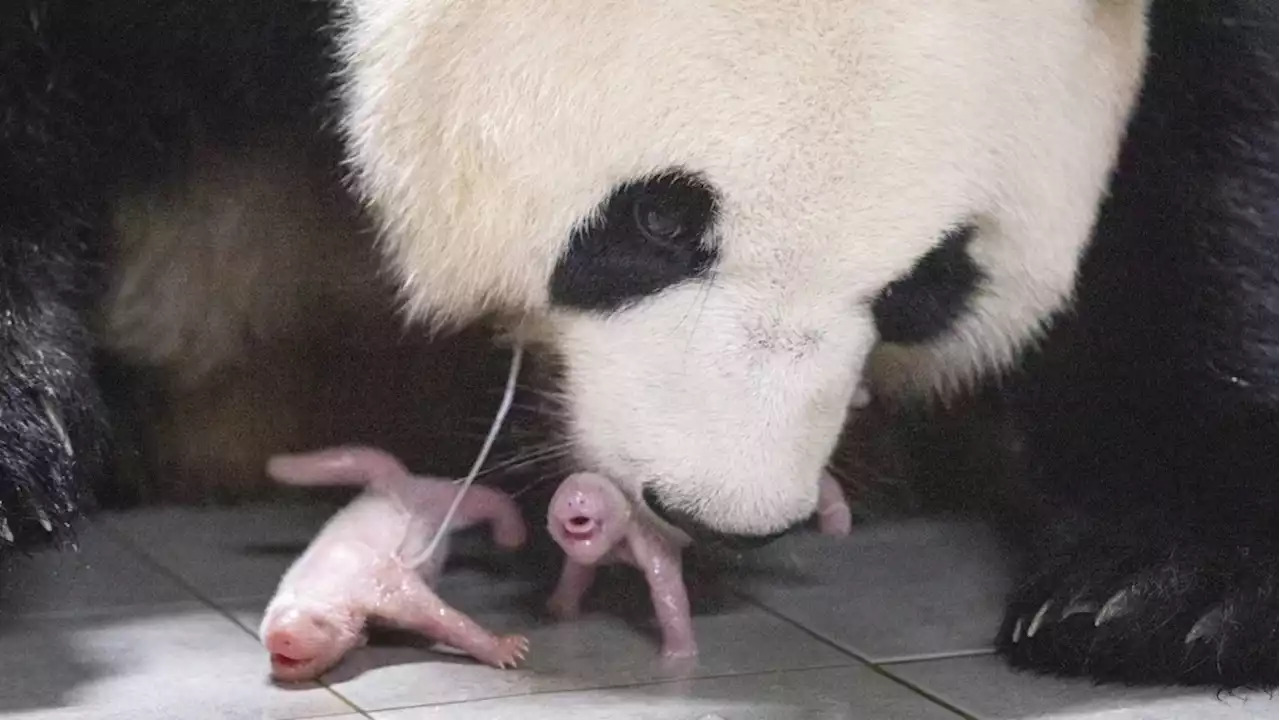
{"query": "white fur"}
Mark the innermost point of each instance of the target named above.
(843, 137)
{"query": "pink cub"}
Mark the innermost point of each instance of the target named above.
(351, 574)
(592, 521)
(834, 516)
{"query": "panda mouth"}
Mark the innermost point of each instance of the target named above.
(701, 534)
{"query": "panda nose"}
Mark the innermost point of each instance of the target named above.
(702, 533)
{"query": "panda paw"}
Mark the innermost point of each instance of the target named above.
(51, 439)
(1133, 607)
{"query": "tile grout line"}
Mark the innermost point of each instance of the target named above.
(123, 540)
(803, 628)
(174, 576)
(617, 686)
(358, 711)
(127, 543)
(954, 655)
(924, 693)
(873, 666)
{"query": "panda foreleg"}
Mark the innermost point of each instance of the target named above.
(52, 426)
(51, 420)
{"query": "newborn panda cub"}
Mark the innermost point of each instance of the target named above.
(592, 521)
(352, 574)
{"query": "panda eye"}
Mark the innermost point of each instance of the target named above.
(658, 221)
(671, 211)
(650, 233)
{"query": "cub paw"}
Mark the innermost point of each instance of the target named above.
(510, 652)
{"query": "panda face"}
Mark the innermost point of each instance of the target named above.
(723, 212)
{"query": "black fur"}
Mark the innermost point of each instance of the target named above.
(703, 535)
(95, 97)
(1151, 412)
(650, 234)
(927, 301)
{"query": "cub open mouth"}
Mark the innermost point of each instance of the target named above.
(285, 661)
(580, 527)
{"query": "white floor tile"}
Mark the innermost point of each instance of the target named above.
(101, 576)
(237, 554)
(185, 662)
(102, 635)
(888, 592)
(225, 553)
(593, 651)
(986, 688)
(851, 693)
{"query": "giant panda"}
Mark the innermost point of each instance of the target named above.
(718, 219)
(722, 217)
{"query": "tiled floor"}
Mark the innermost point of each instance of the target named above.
(155, 620)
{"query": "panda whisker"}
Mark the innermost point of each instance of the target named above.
(700, 302)
(532, 456)
(523, 462)
(556, 471)
(534, 484)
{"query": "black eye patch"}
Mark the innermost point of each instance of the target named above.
(650, 234)
(924, 303)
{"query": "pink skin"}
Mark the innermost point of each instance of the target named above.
(592, 522)
(834, 516)
(351, 573)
